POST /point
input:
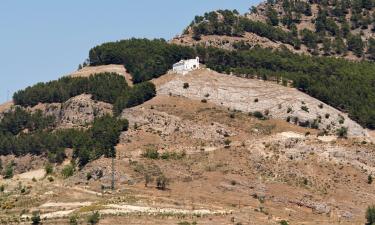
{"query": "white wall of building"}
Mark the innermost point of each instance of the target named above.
(185, 66)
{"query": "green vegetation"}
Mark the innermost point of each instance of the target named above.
(233, 24)
(88, 145)
(35, 219)
(73, 220)
(369, 179)
(68, 171)
(144, 59)
(106, 87)
(370, 215)
(48, 168)
(9, 171)
(93, 218)
(284, 222)
(18, 119)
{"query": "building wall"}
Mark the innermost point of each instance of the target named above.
(185, 66)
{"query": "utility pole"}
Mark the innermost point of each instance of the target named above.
(113, 172)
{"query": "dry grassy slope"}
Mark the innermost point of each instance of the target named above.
(269, 172)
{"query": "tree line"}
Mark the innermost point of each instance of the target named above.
(144, 59)
(107, 87)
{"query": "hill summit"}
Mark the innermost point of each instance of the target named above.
(340, 28)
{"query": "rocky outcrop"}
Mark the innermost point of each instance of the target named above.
(76, 112)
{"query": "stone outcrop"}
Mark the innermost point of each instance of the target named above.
(76, 112)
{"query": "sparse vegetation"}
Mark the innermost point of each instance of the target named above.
(186, 85)
(35, 219)
(68, 171)
(48, 168)
(305, 108)
(9, 171)
(342, 132)
(162, 182)
(93, 218)
(369, 179)
(370, 215)
(73, 219)
(258, 115)
(151, 153)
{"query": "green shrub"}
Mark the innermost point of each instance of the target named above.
(258, 115)
(369, 179)
(370, 215)
(35, 218)
(151, 153)
(73, 219)
(68, 171)
(284, 222)
(93, 218)
(9, 171)
(304, 108)
(48, 168)
(342, 132)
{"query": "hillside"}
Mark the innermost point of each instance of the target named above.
(341, 28)
(276, 127)
(224, 165)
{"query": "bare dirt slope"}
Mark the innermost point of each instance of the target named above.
(251, 95)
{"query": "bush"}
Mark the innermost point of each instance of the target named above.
(258, 115)
(162, 182)
(304, 108)
(369, 179)
(186, 85)
(35, 218)
(48, 168)
(73, 220)
(94, 218)
(370, 215)
(9, 171)
(151, 153)
(68, 171)
(50, 179)
(284, 222)
(342, 132)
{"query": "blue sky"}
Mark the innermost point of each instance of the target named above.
(42, 40)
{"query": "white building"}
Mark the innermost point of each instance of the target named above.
(185, 66)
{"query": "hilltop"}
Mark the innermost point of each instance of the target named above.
(341, 28)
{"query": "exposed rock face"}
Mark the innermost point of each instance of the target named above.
(250, 95)
(76, 112)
